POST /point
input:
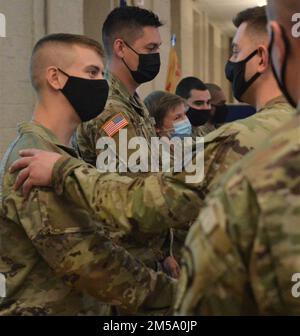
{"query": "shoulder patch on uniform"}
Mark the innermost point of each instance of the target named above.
(116, 123)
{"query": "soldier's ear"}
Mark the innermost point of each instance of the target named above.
(54, 80)
(118, 48)
(264, 63)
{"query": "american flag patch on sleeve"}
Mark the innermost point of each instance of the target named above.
(115, 124)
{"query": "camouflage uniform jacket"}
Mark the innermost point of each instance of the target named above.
(57, 259)
(203, 130)
(242, 255)
(223, 147)
(228, 144)
(137, 122)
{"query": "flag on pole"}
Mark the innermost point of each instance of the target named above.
(174, 71)
(123, 3)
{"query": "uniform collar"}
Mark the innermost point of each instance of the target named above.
(117, 88)
(45, 133)
(277, 100)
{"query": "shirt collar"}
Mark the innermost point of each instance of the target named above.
(45, 133)
(117, 88)
(276, 100)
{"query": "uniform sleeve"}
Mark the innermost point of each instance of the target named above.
(84, 142)
(91, 136)
(119, 128)
(215, 276)
(86, 260)
(222, 148)
(149, 205)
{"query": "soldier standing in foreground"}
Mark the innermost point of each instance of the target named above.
(242, 255)
(58, 259)
(223, 147)
(131, 41)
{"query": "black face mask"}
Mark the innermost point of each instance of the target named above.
(235, 73)
(220, 116)
(87, 96)
(198, 117)
(282, 81)
(148, 68)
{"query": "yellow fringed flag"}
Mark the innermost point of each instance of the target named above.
(174, 71)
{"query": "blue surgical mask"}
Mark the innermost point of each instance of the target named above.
(182, 129)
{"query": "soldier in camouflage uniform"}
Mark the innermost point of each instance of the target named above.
(242, 255)
(232, 141)
(138, 122)
(223, 148)
(127, 32)
(130, 34)
(70, 175)
(56, 258)
(229, 143)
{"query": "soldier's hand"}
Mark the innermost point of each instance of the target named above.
(35, 167)
(171, 267)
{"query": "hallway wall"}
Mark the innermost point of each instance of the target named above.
(201, 46)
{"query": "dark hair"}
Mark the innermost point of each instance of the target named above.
(256, 17)
(127, 22)
(188, 84)
(159, 103)
(59, 39)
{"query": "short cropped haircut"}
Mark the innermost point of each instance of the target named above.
(255, 17)
(159, 103)
(188, 84)
(57, 40)
(127, 23)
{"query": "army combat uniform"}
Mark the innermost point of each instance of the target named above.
(228, 144)
(123, 109)
(58, 259)
(243, 252)
(128, 113)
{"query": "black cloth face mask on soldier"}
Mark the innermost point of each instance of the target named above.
(148, 68)
(87, 96)
(235, 73)
(198, 117)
